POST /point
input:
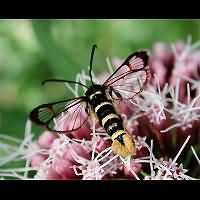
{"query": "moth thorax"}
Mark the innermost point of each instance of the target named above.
(97, 98)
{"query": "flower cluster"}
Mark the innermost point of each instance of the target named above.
(163, 120)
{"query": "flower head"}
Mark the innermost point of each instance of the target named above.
(163, 121)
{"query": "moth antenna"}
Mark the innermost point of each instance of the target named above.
(62, 81)
(91, 61)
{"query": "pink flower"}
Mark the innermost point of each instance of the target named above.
(158, 114)
(61, 159)
(163, 121)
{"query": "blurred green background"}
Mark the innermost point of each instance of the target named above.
(34, 50)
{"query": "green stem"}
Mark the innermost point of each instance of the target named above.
(144, 173)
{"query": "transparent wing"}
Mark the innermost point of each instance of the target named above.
(130, 78)
(62, 116)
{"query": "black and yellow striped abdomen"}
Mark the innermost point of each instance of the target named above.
(108, 117)
(111, 121)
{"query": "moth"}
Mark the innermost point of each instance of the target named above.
(124, 84)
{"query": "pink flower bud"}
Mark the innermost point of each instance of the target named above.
(83, 132)
(53, 175)
(37, 160)
(160, 71)
(142, 152)
(64, 168)
(162, 52)
(102, 144)
(46, 139)
(179, 46)
(125, 108)
(67, 155)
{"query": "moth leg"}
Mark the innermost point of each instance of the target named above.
(87, 110)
